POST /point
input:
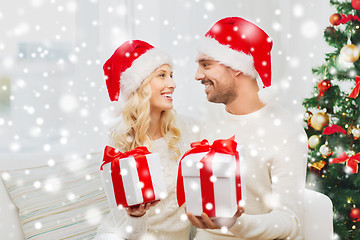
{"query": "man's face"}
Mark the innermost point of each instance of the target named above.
(218, 80)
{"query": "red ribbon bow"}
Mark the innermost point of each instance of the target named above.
(351, 162)
(355, 92)
(111, 155)
(347, 18)
(333, 129)
(227, 146)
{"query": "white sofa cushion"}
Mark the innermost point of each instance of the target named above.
(318, 216)
(63, 199)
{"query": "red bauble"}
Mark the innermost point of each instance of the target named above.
(335, 18)
(323, 86)
(355, 4)
(355, 214)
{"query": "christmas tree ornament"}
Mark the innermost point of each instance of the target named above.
(335, 18)
(319, 120)
(355, 214)
(314, 141)
(317, 167)
(323, 86)
(349, 53)
(307, 117)
(356, 132)
(330, 31)
(355, 92)
(350, 159)
(350, 128)
(325, 150)
(355, 4)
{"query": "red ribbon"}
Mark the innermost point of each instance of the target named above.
(351, 162)
(355, 92)
(333, 129)
(347, 18)
(111, 155)
(227, 146)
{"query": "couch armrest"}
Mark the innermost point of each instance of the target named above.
(318, 216)
(10, 227)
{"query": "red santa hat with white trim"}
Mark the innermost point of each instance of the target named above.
(241, 45)
(130, 65)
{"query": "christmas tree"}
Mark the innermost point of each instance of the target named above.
(333, 121)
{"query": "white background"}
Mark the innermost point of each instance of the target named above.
(58, 96)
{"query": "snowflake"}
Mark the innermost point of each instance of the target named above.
(5, 176)
(209, 206)
(309, 29)
(47, 147)
(224, 229)
(52, 184)
(37, 184)
(93, 216)
(195, 129)
(276, 26)
(68, 103)
(71, 196)
(38, 225)
(209, 6)
(51, 162)
(298, 10)
(194, 186)
(129, 229)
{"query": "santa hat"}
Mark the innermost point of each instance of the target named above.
(130, 65)
(241, 45)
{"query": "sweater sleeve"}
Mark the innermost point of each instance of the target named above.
(287, 174)
(120, 225)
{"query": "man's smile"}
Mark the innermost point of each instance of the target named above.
(208, 84)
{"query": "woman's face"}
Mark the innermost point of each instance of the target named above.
(162, 87)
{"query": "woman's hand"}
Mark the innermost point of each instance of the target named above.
(140, 209)
(205, 222)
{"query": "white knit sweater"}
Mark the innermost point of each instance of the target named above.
(165, 220)
(275, 167)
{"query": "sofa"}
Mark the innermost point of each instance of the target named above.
(61, 197)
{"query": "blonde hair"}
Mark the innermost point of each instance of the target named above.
(136, 120)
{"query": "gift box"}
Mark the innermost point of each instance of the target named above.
(209, 178)
(132, 177)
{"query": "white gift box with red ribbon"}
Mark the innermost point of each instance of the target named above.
(133, 177)
(216, 191)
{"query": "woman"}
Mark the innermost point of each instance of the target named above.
(142, 76)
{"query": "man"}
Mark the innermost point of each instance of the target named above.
(232, 54)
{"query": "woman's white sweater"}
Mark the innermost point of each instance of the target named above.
(165, 220)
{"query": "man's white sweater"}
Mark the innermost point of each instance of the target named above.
(275, 148)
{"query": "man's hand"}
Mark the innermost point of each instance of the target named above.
(140, 209)
(204, 222)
